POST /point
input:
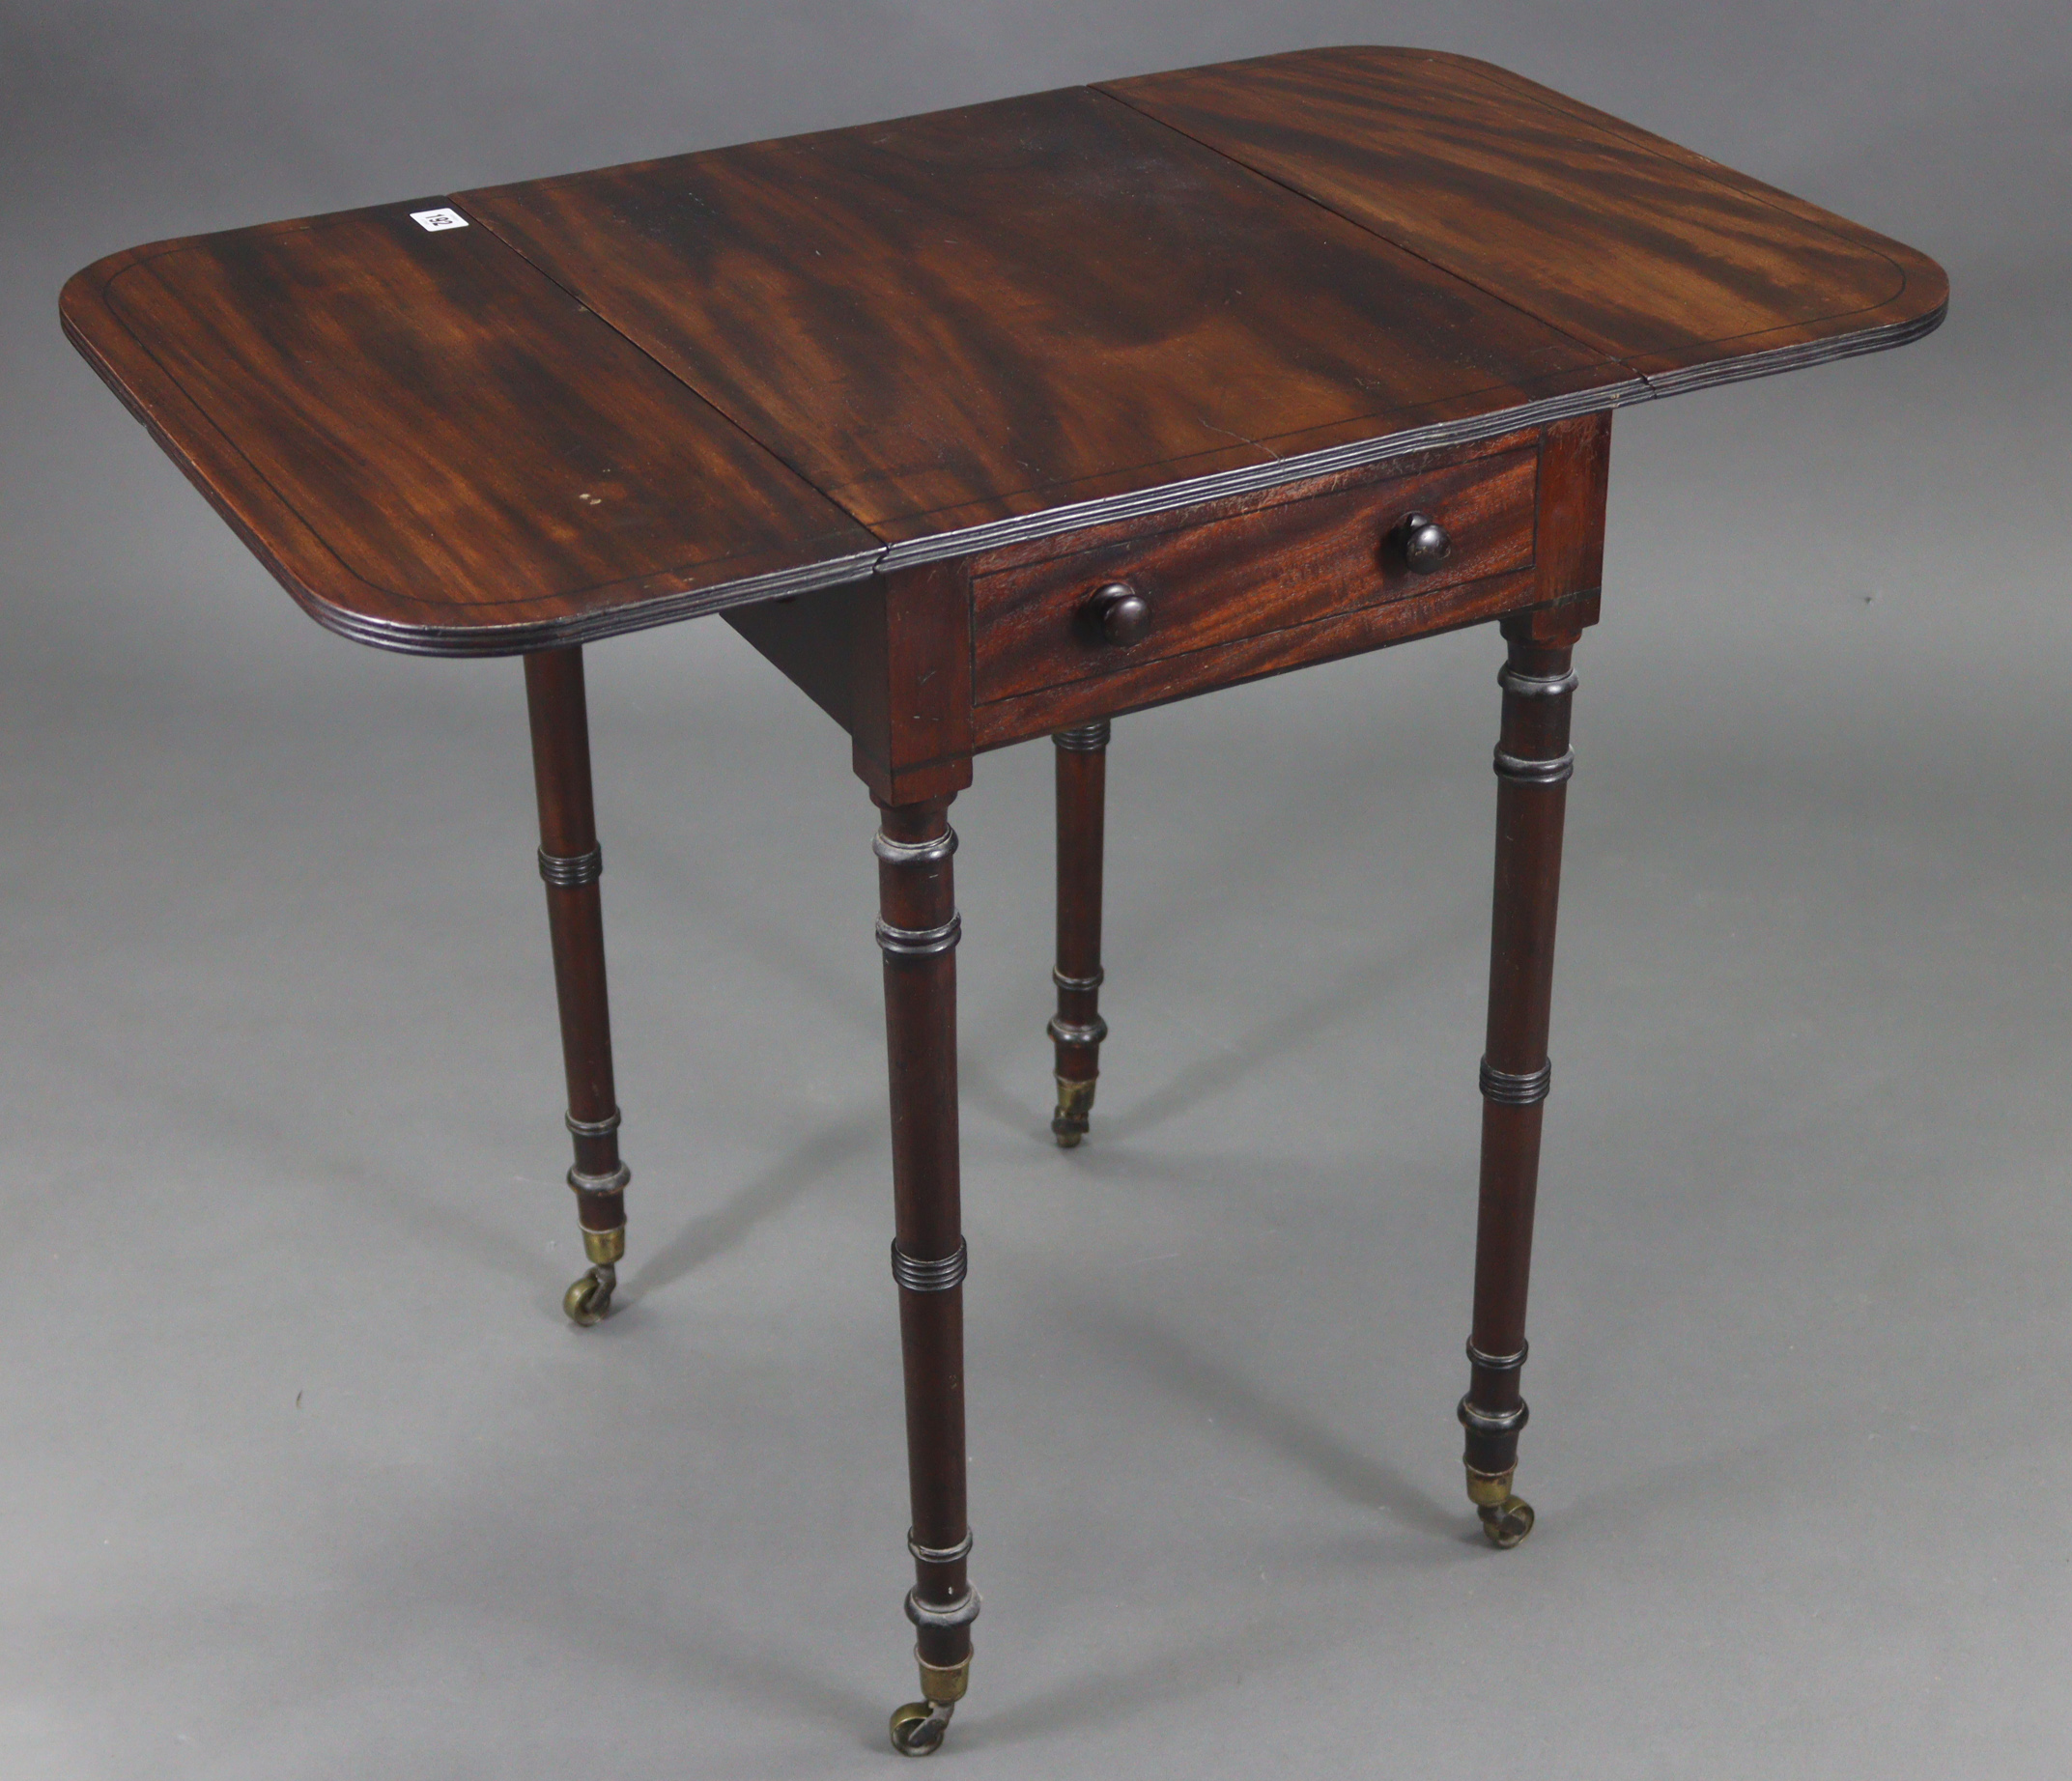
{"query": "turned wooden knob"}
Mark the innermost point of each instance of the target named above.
(1424, 543)
(1122, 614)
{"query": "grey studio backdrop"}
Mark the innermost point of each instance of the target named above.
(303, 1472)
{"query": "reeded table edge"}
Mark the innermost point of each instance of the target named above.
(1252, 478)
(1798, 358)
(521, 637)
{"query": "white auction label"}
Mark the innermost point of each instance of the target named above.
(438, 220)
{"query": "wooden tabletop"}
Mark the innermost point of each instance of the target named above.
(591, 404)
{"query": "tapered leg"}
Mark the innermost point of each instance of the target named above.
(1078, 1029)
(918, 929)
(570, 862)
(1533, 764)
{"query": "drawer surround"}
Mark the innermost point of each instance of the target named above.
(893, 660)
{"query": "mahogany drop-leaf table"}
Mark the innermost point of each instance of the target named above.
(989, 425)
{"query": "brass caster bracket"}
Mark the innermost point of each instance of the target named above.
(918, 1727)
(1075, 1106)
(1506, 1519)
(589, 1299)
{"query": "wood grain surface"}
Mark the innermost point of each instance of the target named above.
(958, 317)
(1654, 256)
(430, 445)
(621, 398)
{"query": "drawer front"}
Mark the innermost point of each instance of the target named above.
(1293, 558)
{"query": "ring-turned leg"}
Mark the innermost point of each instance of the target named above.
(917, 930)
(1078, 1029)
(570, 862)
(1533, 764)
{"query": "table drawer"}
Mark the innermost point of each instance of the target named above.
(1295, 557)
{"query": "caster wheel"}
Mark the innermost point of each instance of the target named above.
(1508, 1523)
(1075, 1107)
(589, 1299)
(918, 1728)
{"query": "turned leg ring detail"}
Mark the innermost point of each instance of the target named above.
(937, 1274)
(1512, 1088)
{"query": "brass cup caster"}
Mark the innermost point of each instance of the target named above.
(1075, 1107)
(589, 1299)
(1506, 1519)
(1507, 1523)
(918, 1727)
